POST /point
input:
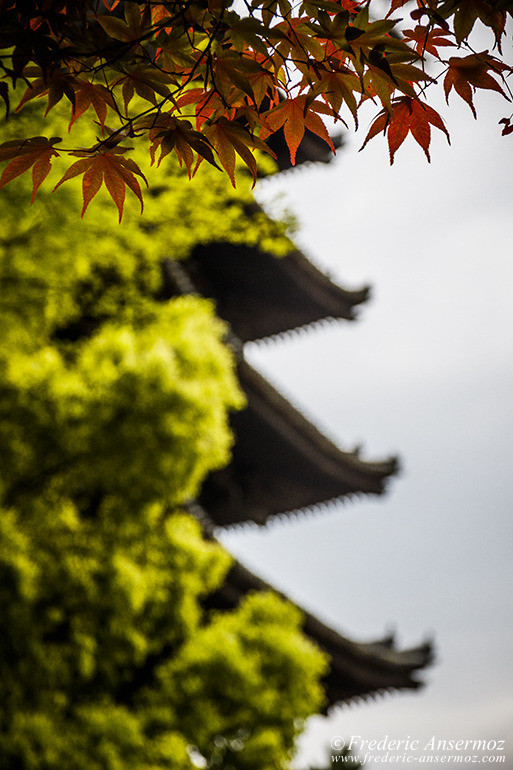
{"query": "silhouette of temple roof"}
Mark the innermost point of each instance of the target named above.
(357, 669)
(261, 295)
(282, 463)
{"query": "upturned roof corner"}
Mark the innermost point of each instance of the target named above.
(282, 463)
(357, 669)
(261, 295)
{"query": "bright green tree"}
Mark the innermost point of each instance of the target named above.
(113, 408)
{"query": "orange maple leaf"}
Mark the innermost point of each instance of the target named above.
(36, 152)
(408, 115)
(229, 138)
(467, 73)
(54, 85)
(160, 13)
(296, 37)
(262, 85)
(295, 116)
(507, 127)
(427, 39)
(170, 133)
(394, 5)
(87, 94)
(350, 5)
(108, 167)
(338, 87)
(146, 82)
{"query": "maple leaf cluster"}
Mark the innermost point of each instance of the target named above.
(211, 81)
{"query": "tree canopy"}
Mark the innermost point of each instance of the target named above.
(215, 78)
(114, 406)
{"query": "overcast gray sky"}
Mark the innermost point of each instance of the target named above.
(426, 372)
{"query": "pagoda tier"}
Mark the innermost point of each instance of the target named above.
(356, 669)
(261, 295)
(282, 463)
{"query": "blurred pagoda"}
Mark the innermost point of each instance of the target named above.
(281, 463)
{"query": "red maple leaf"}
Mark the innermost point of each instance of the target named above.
(467, 73)
(350, 5)
(110, 167)
(427, 39)
(170, 133)
(36, 152)
(54, 84)
(295, 116)
(408, 115)
(91, 94)
(508, 127)
(229, 138)
(394, 5)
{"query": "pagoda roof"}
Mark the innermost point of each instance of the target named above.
(261, 295)
(357, 669)
(282, 463)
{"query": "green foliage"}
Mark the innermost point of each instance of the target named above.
(113, 408)
(135, 411)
